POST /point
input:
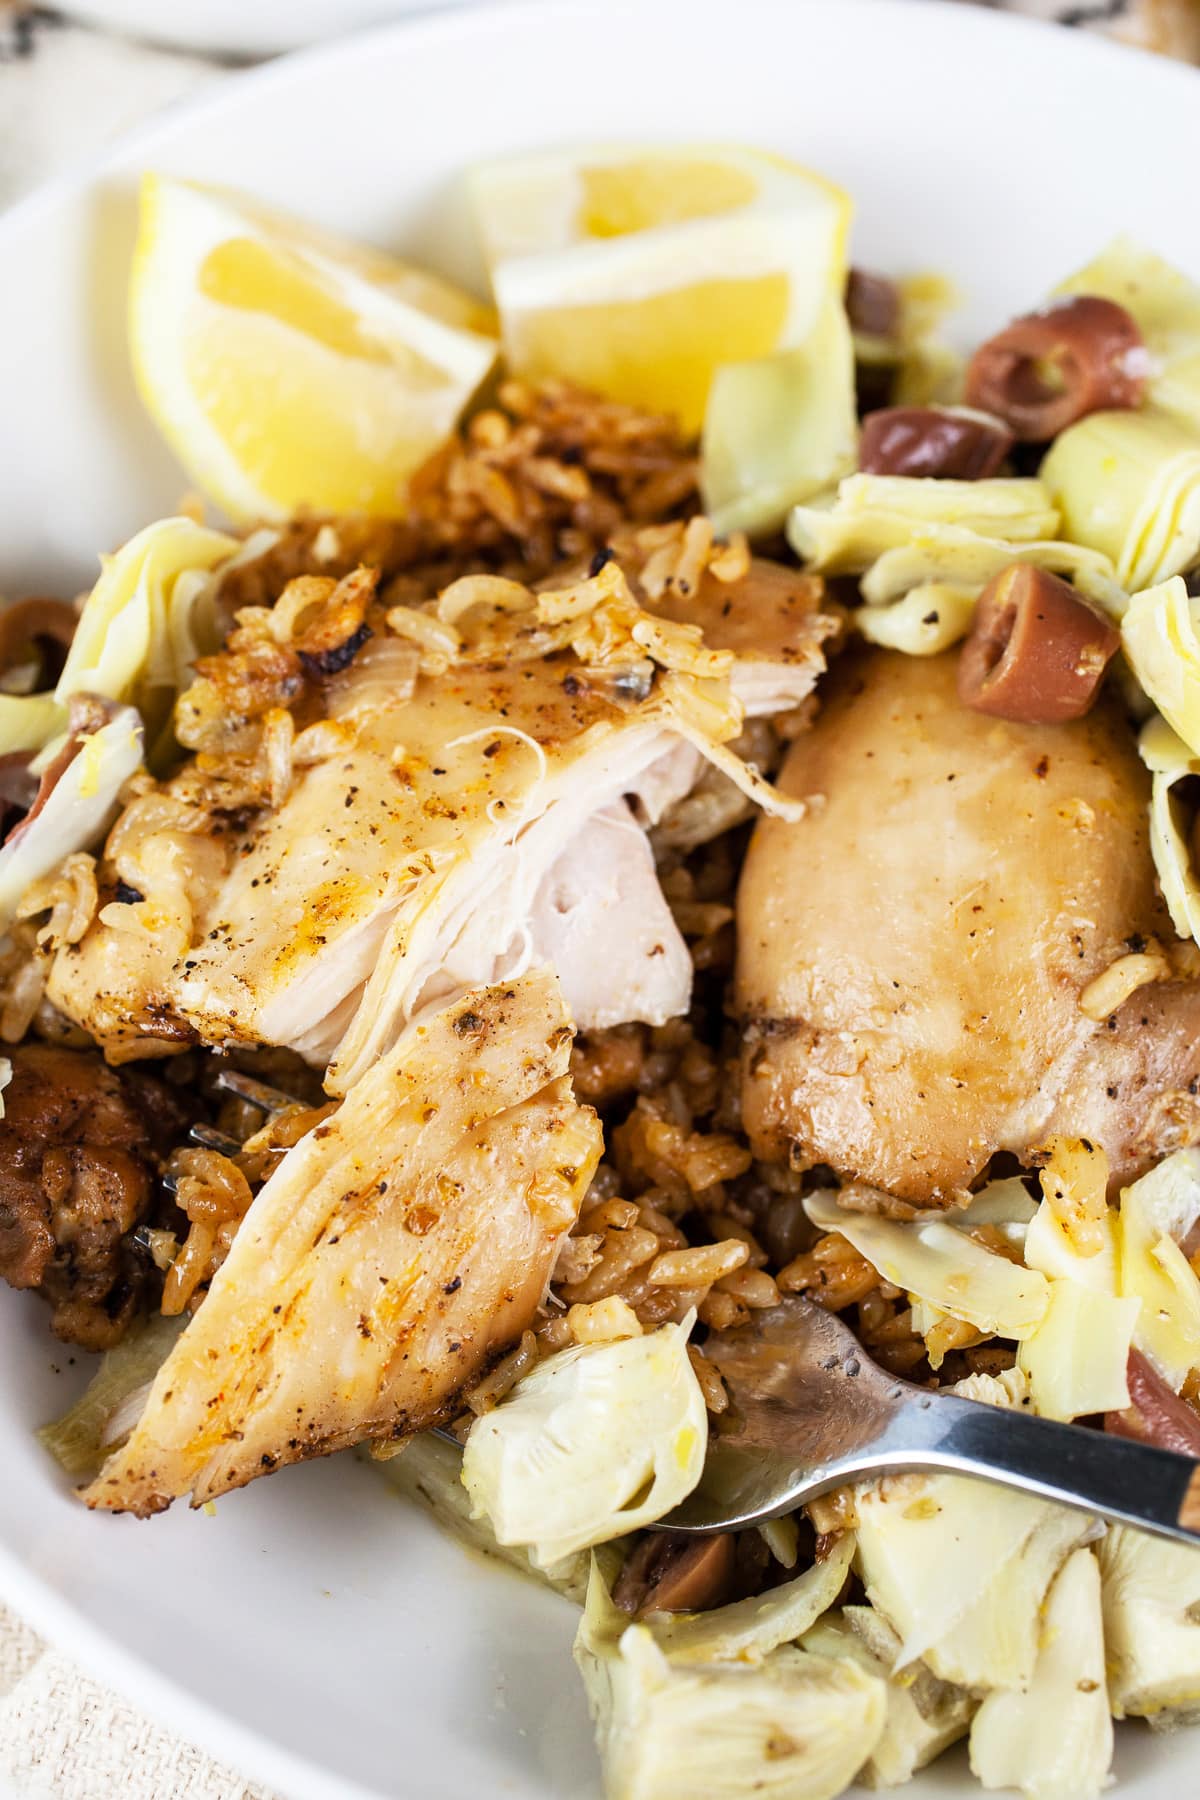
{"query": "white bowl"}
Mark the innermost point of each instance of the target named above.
(316, 1633)
(233, 28)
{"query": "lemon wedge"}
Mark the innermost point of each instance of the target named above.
(637, 271)
(287, 368)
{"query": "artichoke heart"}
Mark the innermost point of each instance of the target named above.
(780, 429)
(1077, 1358)
(595, 1442)
(1171, 762)
(943, 1266)
(1153, 1269)
(792, 1725)
(1151, 1601)
(1128, 485)
(925, 550)
(960, 1570)
(80, 806)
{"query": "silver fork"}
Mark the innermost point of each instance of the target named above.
(809, 1410)
(269, 1101)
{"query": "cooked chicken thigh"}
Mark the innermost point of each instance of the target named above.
(913, 953)
(441, 839)
(397, 1250)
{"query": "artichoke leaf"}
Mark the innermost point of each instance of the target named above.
(1170, 762)
(942, 1265)
(780, 429)
(1054, 1739)
(924, 1715)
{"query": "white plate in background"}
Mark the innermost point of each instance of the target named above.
(316, 1633)
(242, 27)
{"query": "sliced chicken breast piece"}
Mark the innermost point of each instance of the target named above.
(419, 859)
(399, 1249)
(912, 953)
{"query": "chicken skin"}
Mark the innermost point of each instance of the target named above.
(913, 953)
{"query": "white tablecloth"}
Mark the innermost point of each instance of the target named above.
(64, 91)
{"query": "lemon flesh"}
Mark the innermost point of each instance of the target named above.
(287, 369)
(639, 273)
(617, 349)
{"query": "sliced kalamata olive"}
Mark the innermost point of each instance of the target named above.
(37, 630)
(872, 304)
(1036, 651)
(1156, 1414)
(670, 1572)
(947, 441)
(1047, 370)
(17, 786)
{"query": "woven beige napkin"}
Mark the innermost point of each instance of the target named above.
(1172, 27)
(65, 1737)
(62, 1735)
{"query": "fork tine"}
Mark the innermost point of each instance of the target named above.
(209, 1138)
(270, 1100)
(255, 1093)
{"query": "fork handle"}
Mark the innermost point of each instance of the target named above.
(1155, 1490)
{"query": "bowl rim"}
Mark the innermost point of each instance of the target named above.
(53, 1617)
(463, 21)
